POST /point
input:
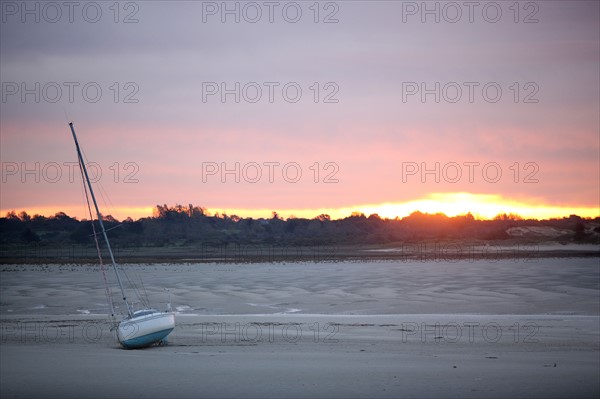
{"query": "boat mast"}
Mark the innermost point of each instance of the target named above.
(112, 258)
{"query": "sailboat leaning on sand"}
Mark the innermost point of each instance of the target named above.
(139, 328)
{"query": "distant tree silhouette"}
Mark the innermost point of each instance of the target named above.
(24, 216)
(30, 236)
(192, 226)
(505, 217)
(579, 232)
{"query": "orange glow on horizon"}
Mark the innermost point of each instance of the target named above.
(481, 206)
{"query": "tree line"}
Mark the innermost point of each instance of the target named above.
(190, 225)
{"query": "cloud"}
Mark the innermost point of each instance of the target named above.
(164, 62)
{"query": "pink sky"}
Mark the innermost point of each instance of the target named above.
(364, 141)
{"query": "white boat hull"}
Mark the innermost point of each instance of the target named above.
(145, 329)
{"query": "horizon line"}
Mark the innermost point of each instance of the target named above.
(481, 206)
(223, 214)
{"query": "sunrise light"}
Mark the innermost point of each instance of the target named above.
(481, 206)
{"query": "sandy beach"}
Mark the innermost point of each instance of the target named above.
(523, 328)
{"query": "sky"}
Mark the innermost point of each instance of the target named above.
(302, 107)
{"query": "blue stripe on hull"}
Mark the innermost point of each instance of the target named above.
(145, 340)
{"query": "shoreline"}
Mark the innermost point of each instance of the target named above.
(440, 251)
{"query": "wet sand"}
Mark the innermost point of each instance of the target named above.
(347, 329)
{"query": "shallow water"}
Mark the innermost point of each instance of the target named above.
(526, 286)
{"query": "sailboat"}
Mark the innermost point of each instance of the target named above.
(140, 328)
